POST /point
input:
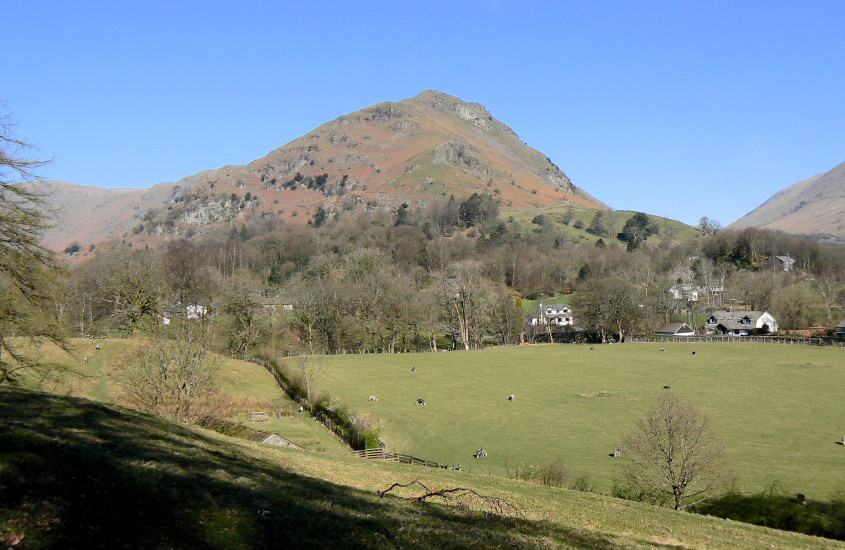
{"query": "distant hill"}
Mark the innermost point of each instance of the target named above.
(413, 151)
(814, 207)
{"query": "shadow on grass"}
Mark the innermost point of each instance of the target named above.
(775, 509)
(75, 474)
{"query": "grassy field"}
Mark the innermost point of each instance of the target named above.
(75, 473)
(244, 385)
(779, 408)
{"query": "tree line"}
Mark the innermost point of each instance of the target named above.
(410, 279)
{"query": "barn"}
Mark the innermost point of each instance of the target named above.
(675, 329)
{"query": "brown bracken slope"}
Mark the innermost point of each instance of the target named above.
(414, 151)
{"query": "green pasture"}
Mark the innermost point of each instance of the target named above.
(76, 473)
(779, 408)
(97, 379)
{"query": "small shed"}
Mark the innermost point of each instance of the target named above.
(675, 329)
(840, 330)
(273, 439)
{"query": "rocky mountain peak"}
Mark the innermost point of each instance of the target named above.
(415, 151)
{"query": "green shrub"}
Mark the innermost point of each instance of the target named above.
(553, 474)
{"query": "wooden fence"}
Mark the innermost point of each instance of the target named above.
(348, 435)
(379, 453)
(787, 340)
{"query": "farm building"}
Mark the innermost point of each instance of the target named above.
(675, 329)
(272, 439)
(840, 330)
(559, 315)
(739, 323)
(786, 262)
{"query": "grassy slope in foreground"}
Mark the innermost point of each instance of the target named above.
(74, 473)
(243, 386)
(778, 408)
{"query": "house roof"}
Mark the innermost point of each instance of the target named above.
(735, 316)
(555, 306)
(734, 324)
(786, 259)
(841, 325)
(674, 328)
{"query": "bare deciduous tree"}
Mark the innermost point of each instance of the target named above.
(310, 367)
(464, 301)
(27, 268)
(829, 288)
(672, 454)
(172, 378)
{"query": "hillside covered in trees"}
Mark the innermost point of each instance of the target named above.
(453, 274)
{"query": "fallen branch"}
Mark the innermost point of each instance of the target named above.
(462, 497)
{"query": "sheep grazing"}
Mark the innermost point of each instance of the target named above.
(592, 349)
(373, 398)
(480, 453)
(662, 349)
(420, 401)
(617, 452)
(97, 347)
(511, 398)
(413, 369)
(85, 359)
(666, 388)
(693, 353)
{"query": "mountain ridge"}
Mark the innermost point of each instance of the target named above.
(814, 207)
(416, 150)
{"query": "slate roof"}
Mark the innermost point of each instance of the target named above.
(722, 316)
(674, 328)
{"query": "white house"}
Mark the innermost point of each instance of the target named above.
(193, 311)
(687, 292)
(739, 323)
(196, 311)
(559, 315)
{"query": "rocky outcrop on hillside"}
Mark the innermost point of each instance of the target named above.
(413, 151)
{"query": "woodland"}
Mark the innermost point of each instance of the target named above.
(457, 274)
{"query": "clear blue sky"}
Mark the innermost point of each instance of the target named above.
(681, 109)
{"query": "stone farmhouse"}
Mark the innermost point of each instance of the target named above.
(739, 323)
(558, 315)
(786, 262)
